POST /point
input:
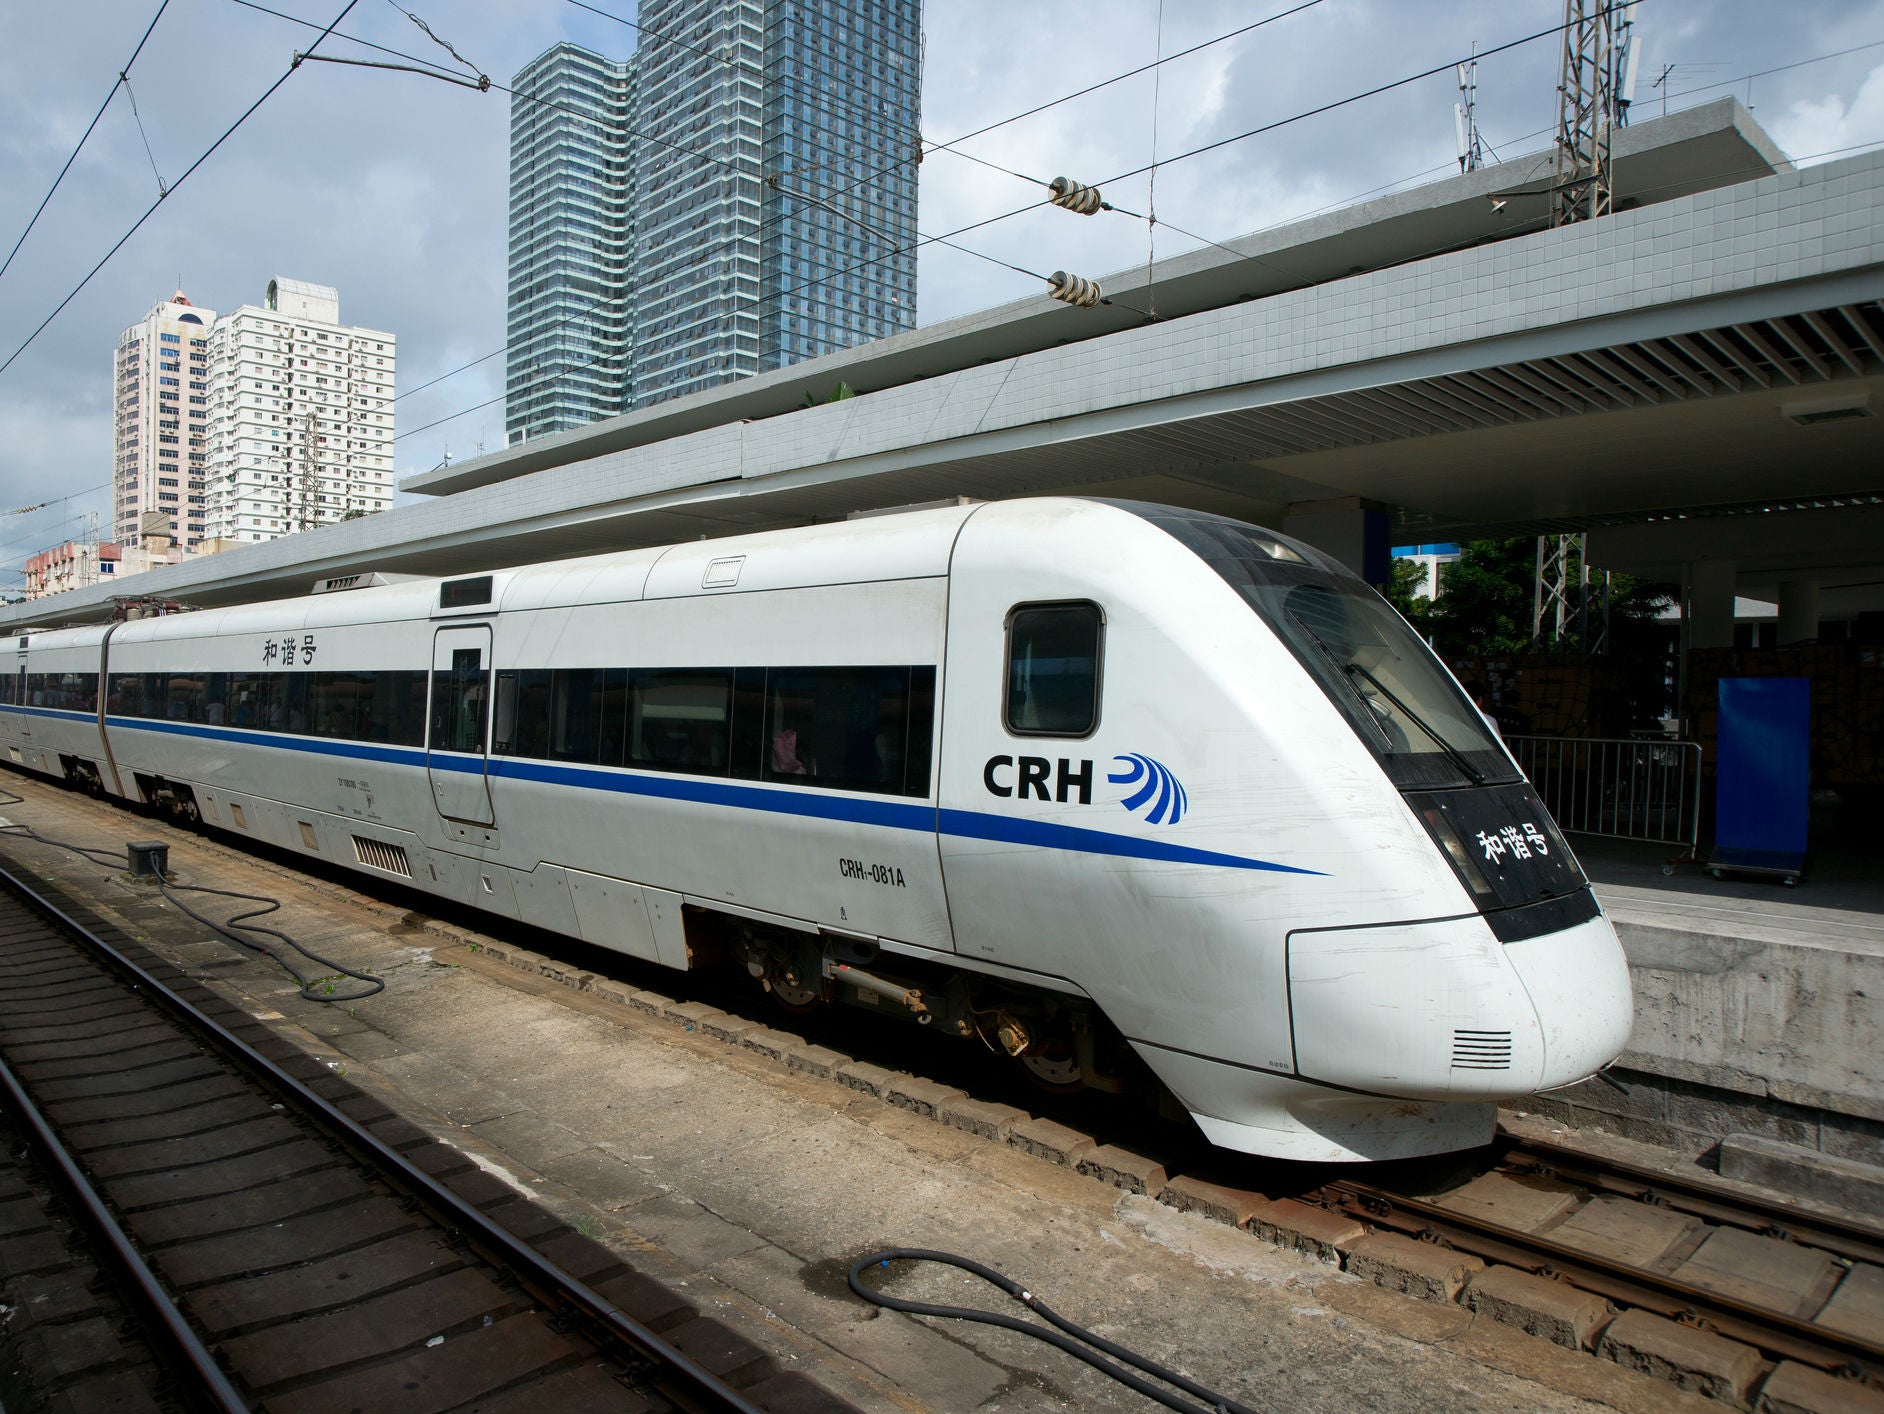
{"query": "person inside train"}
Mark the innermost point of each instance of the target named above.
(786, 760)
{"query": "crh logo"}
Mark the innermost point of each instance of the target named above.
(1064, 781)
(1035, 776)
(1161, 789)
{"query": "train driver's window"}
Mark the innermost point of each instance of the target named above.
(1053, 653)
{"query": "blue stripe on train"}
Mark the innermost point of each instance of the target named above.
(848, 809)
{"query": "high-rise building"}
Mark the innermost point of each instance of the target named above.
(571, 188)
(843, 95)
(160, 399)
(700, 66)
(739, 195)
(300, 428)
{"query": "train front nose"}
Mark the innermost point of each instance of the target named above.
(1445, 1011)
(1578, 983)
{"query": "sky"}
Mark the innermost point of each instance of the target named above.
(392, 186)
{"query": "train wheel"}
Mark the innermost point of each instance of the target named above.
(798, 1000)
(1052, 1064)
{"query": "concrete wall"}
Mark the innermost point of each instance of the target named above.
(1750, 1024)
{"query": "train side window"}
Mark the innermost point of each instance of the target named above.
(680, 719)
(404, 696)
(748, 734)
(530, 736)
(458, 703)
(156, 692)
(611, 720)
(504, 716)
(340, 705)
(921, 731)
(1053, 654)
(864, 729)
(575, 705)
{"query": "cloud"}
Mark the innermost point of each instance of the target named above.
(1830, 125)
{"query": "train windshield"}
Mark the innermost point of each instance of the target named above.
(1395, 694)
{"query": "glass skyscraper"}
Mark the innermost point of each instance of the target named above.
(842, 108)
(739, 195)
(571, 298)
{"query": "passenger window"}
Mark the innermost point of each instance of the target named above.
(864, 729)
(680, 719)
(1053, 669)
(457, 703)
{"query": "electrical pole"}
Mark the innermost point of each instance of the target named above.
(1588, 108)
(1597, 83)
(309, 516)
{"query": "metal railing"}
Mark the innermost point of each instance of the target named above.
(1627, 790)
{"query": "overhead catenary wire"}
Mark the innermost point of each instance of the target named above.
(438, 40)
(85, 136)
(131, 94)
(151, 209)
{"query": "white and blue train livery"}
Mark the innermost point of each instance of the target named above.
(1082, 779)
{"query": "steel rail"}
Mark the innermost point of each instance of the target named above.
(675, 1375)
(1774, 1334)
(185, 1349)
(1846, 1238)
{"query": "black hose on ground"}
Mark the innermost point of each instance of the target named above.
(1075, 1340)
(227, 929)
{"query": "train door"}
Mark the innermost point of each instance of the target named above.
(457, 744)
(1023, 783)
(23, 699)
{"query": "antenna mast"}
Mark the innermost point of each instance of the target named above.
(1465, 116)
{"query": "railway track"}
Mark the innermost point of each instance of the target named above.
(276, 1239)
(1791, 1286)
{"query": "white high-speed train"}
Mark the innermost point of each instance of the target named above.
(1067, 775)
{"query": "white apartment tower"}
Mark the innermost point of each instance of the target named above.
(160, 398)
(300, 428)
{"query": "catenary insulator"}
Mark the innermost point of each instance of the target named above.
(1080, 200)
(1074, 290)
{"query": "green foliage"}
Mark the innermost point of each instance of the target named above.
(1484, 606)
(836, 395)
(1405, 590)
(1487, 601)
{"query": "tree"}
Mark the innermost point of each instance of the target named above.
(1405, 590)
(1484, 604)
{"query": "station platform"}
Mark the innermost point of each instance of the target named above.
(1759, 1008)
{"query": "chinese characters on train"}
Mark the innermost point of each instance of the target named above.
(287, 651)
(1518, 843)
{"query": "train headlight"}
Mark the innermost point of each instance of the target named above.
(1463, 864)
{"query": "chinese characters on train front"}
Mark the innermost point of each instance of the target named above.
(1520, 844)
(288, 651)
